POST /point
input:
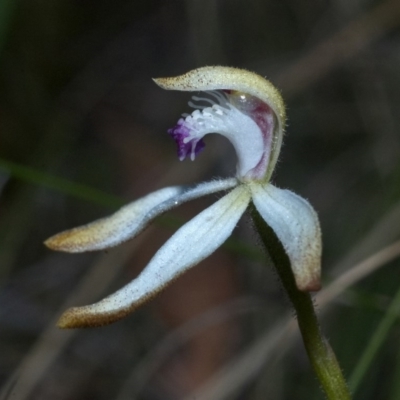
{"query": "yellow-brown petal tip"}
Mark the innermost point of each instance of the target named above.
(80, 317)
(85, 238)
(61, 242)
(309, 280)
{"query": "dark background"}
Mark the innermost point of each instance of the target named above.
(83, 130)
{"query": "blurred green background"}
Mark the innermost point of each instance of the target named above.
(83, 130)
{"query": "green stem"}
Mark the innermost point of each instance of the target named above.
(318, 349)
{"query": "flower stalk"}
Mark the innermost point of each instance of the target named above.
(320, 353)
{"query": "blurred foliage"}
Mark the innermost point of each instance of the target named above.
(82, 125)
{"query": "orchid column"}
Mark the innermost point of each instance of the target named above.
(248, 111)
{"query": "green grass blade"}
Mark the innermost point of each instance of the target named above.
(375, 343)
(56, 183)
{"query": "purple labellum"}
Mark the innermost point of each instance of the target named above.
(185, 148)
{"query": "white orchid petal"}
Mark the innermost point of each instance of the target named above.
(235, 79)
(131, 219)
(202, 189)
(218, 77)
(192, 243)
(296, 225)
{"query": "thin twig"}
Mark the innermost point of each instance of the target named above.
(344, 44)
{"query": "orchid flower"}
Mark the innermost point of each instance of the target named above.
(249, 111)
